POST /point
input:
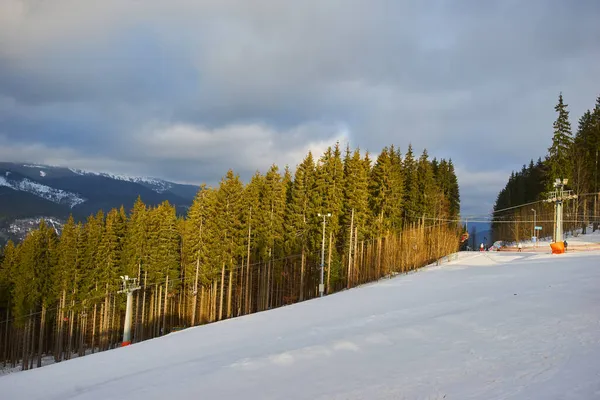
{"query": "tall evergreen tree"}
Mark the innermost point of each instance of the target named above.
(386, 188)
(427, 188)
(559, 153)
(356, 193)
(412, 208)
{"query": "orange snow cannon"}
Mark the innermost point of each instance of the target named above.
(557, 247)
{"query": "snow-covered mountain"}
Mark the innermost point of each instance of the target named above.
(57, 196)
(32, 190)
(158, 185)
(19, 228)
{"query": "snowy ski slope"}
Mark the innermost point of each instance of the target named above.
(487, 326)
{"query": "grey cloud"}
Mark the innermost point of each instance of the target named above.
(470, 80)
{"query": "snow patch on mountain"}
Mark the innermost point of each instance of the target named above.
(46, 192)
(157, 185)
(34, 166)
(21, 227)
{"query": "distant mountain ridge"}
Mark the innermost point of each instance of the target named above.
(30, 191)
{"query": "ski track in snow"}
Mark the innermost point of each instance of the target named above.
(487, 326)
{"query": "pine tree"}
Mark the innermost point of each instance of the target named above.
(412, 207)
(229, 210)
(427, 188)
(356, 191)
(559, 153)
(135, 241)
(7, 266)
(110, 251)
(251, 222)
(272, 217)
(386, 191)
(302, 209)
(453, 191)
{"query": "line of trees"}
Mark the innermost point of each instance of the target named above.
(241, 248)
(574, 157)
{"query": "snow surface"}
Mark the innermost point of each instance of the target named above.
(485, 326)
(43, 191)
(159, 185)
(574, 238)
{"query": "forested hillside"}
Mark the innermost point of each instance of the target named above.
(241, 248)
(570, 156)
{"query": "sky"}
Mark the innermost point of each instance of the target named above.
(184, 90)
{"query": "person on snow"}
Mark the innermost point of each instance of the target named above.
(520, 247)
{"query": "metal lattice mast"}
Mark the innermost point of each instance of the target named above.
(558, 196)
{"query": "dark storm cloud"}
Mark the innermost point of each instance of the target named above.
(185, 90)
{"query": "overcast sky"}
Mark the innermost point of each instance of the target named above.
(185, 89)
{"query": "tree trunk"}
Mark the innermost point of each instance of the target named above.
(5, 353)
(94, 329)
(248, 291)
(70, 339)
(41, 336)
(164, 324)
(229, 291)
(349, 280)
(26, 329)
(239, 297)
(585, 217)
(329, 262)
(201, 317)
(31, 344)
(195, 298)
(112, 324)
(83, 321)
(268, 286)
(143, 325)
(61, 324)
(221, 292)
(105, 320)
(213, 315)
(136, 324)
(302, 262)
(355, 260)
(158, 312)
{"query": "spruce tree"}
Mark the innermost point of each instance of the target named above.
(7, 266)
(427, 189)
(412, 207)
(386, 191)
(301, 211)
(559, 153)
(229, 212)
(356, 193)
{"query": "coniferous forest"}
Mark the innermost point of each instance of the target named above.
(571, 156)
(242, 248)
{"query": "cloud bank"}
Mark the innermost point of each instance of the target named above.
(184, 90)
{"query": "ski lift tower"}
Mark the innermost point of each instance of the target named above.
(558, 196)
(129, 286)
